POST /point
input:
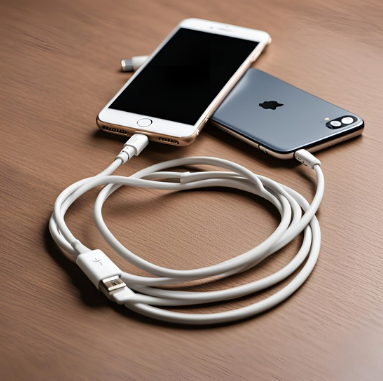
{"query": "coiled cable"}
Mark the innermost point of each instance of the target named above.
(148, 295)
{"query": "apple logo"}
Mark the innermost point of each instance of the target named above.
(270, 105)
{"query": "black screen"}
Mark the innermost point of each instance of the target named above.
(185, 76)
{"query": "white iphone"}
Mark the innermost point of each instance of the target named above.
(184, 80)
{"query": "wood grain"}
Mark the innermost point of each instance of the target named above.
(59, 66)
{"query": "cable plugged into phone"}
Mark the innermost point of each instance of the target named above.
(306, 158)
(133, 147)
(150, 295)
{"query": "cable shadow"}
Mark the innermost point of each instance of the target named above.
(93, 298)
(89, 295)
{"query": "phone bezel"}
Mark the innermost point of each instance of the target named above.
(121, 121)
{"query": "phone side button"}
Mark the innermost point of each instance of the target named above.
(263, 149)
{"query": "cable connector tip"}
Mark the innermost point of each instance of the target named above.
(127, 65)
(111, 285)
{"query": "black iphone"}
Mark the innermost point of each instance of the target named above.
(279, 119)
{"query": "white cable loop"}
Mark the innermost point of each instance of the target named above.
(148, 294)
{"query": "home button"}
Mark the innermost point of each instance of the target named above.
(144, 122)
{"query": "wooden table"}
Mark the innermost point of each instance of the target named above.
(59, 66)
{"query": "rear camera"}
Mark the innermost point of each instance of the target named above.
(347, 120)
(342, 121)
(336, 123)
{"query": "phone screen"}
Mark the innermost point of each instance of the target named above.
(184, 77)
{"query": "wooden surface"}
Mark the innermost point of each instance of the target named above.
(59, 65)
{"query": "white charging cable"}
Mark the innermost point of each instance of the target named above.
(148, 295)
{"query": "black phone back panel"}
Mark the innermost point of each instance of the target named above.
(279, 116)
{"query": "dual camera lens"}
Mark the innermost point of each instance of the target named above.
(342, 121)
